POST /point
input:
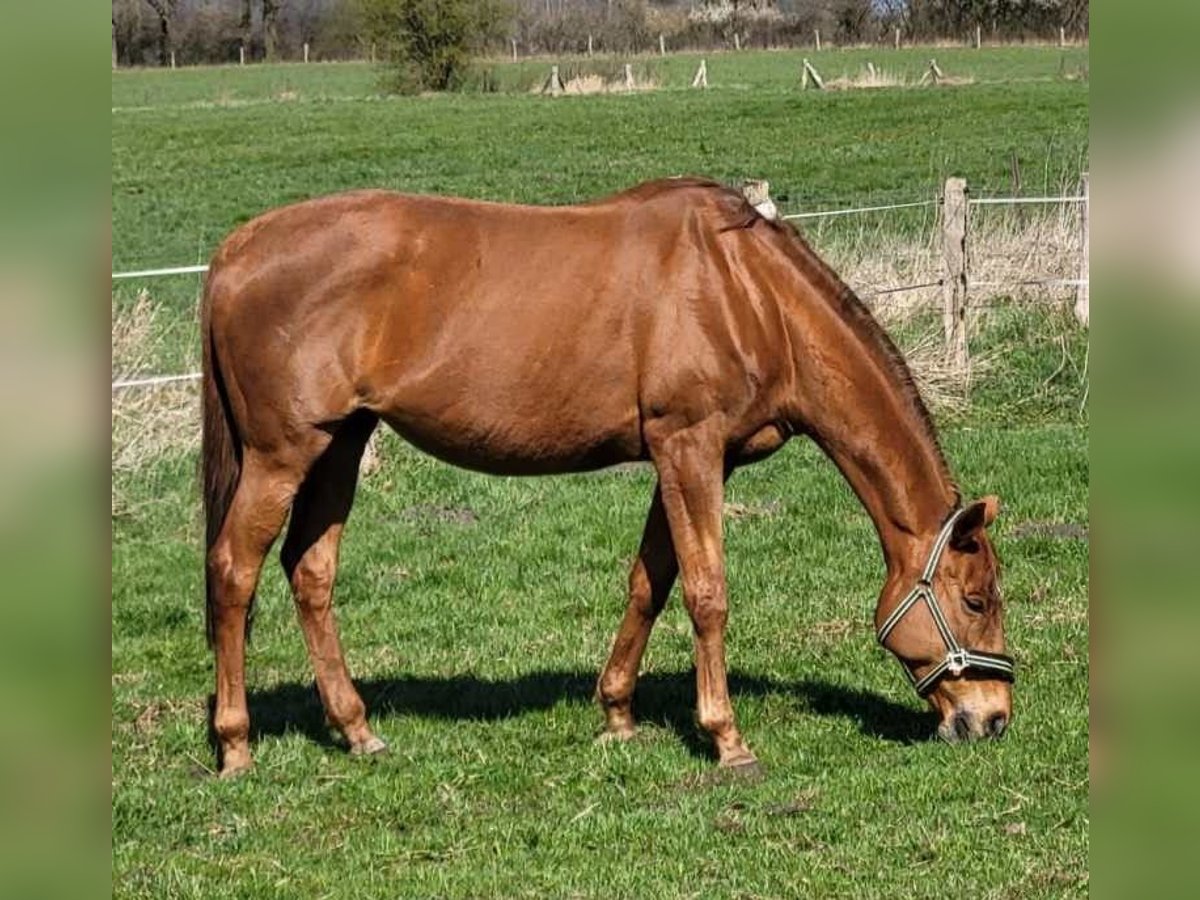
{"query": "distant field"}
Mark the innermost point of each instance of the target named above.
(477, 611)
(760, 71)
(183, 176)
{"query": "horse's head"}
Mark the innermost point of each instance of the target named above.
(943, 620)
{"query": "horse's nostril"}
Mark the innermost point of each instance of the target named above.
(996, 724)
(962, 726)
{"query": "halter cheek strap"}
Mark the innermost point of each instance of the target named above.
(958, 659)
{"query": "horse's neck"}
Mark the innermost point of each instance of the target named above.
(856, 405)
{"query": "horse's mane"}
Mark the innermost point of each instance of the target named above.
(854, 313)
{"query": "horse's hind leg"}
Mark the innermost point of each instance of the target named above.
(310, 556)
(650, 582)
(255, 517)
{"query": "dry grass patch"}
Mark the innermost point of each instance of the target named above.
(586, 84)
(148, 423)
(1012, 254)
(596, 84)
(869, 77)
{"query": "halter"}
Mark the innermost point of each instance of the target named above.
(958, 659)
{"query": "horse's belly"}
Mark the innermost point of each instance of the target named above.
(522, 446)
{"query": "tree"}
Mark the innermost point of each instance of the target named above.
(428, 44)
(270, 15)
(165, 9)
(246, 24)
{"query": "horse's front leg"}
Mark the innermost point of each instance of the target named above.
(691, 468)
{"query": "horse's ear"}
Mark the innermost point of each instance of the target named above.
(976, 517)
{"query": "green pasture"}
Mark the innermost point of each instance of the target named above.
(758, 71)
(476, 612)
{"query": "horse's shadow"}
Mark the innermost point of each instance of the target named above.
(666, 700)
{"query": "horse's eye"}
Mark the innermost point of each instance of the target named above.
(975, 604)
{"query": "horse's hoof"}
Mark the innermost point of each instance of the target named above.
(234, 759)
(616, 735)
(744, 768)
(372, 746)
(230, 770)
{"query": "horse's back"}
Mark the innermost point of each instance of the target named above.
(501, 337)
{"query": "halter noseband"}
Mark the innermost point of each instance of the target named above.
(957, 659)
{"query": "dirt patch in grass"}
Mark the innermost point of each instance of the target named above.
(831, 630)
(801, 803)
(767, 510)
(1062, 531)
(441, 515)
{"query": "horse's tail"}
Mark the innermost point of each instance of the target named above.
(220, 450)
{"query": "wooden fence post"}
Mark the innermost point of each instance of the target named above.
(589, 45)
(1062, 36)
(817, 36)
(514, 49)
(629, 83)
(737, 41)
(306, 51)
(662, 46)
(242, 55)
(172, 59)
(808, 75)
(897, 38)
(954, 276)
(1082, 302)
(758, 194)
(934, 73)
(978, 36)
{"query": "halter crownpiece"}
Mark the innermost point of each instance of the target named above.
(958, 659)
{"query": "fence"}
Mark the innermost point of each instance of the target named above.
(955, 204)
(958, 290)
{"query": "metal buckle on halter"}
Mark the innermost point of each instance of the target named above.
(957, 661)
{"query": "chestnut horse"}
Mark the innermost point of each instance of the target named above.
(672, 323)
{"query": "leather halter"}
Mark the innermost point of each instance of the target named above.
(958, 659)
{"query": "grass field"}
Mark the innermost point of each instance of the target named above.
(477, 611)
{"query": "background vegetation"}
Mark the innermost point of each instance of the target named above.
(146, 31)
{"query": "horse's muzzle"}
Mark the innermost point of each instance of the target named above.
(964, 725)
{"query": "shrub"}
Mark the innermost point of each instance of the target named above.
(428, 45)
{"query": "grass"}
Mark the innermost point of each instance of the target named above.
(757, 71)
(477, 611)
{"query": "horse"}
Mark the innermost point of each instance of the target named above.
(672, 323)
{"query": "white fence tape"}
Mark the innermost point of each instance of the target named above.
(152, 273)
(1032, 282)
(153, 381)
(858, 209)
(1012, 201)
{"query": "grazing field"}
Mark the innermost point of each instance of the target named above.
(771, 72)
(476, 612)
